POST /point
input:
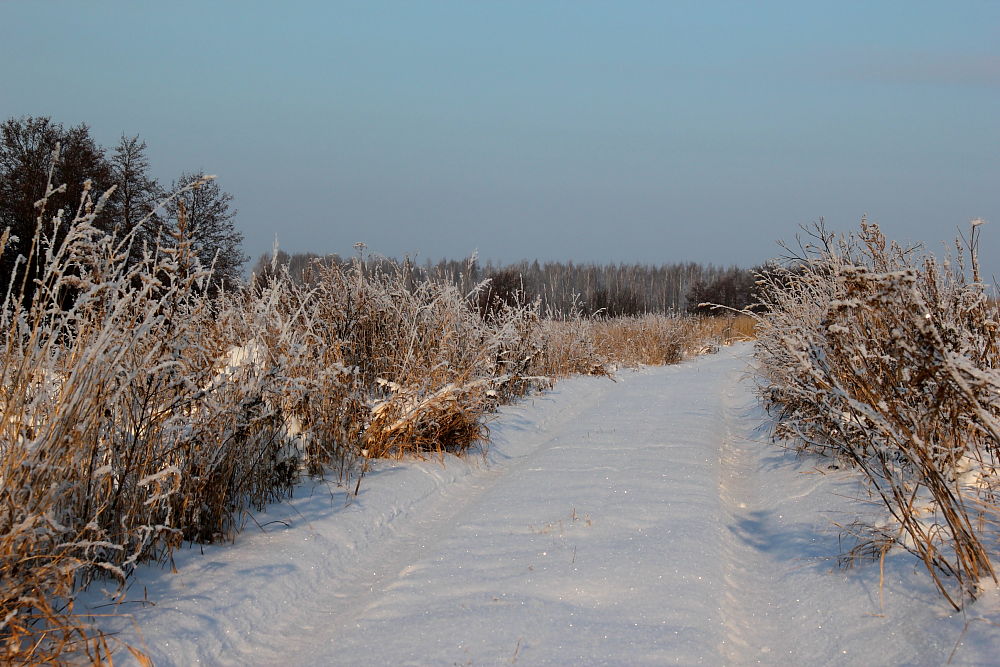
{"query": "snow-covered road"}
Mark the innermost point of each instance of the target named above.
(643, 521)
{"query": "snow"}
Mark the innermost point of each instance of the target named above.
(647, 520)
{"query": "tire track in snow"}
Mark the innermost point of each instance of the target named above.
(416, 526)
(775, 550)
(603, 542)
(738, 484)
(785, 599)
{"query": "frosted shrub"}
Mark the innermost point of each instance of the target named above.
(890, 361)
(426, 366)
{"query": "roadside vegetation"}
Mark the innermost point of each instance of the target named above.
(886, 358)
(144, 404)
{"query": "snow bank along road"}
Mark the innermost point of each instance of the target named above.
(643, 521)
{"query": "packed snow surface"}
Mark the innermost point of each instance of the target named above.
(646, 520)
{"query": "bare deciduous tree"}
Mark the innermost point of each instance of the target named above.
(27, 154)
(210, 228)
(134, 200)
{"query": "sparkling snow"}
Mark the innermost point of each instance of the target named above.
(644, 521)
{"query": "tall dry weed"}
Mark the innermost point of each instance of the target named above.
(135, 412)
(890, 360)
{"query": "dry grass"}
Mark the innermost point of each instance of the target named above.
(128, 424)
(731, 327)
(653, 340)
(890, 361)
(596, 346)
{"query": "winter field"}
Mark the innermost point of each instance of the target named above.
(646, 520)
(424, 468)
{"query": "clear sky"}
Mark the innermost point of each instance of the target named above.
(592, 131)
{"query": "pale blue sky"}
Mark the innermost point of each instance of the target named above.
(605, 131)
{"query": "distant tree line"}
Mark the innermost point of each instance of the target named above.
(27, 158)
(149, 210)
(562, 287)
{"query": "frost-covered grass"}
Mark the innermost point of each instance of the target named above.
(129, 420)
(138, 411)
(891, 361)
